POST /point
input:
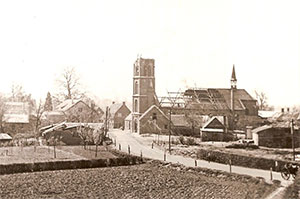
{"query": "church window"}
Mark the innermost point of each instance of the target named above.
(136, 87)
(154, 116)
(135, 105)
(137, 70)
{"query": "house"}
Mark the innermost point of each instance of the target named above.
(4, 137)
(128, 121)
(154, 121)
(276, 136)
(17, 118)
(117, 114)
(67, 133)
(73, 111)
(186, 125)
(215, 130)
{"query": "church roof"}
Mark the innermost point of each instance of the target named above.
(218, 98)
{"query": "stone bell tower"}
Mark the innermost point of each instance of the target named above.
(143, 89)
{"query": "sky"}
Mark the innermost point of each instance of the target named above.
(194, 43)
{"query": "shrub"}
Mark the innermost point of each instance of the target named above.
(190, 141)
(181, 139)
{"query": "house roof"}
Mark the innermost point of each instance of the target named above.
(129, 117)
(179, 120)
(153, 107)
(219, 98)
(261, 128)
(5, 136)
(66, 126)
(67, 104)
(213, 121)
(267, 114)
(16, 118)
(114, 108)
(17, 108)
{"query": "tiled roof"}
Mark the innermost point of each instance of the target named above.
(114, 108)
(261, 128)
(17, 108)
(129, 117)
(219, 98)
(5, 136)
(179, 120)
(153, 107)
(267, 114)
(67, 104)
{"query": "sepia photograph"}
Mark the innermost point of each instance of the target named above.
(152, 99)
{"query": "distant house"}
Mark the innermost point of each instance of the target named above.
(128, 122)
(275, 136)
(17, 118)
(73, 111)
(117, 114)
(67, 132)
(154, 121)
(187, 126)
(214, 130)
(4, 137)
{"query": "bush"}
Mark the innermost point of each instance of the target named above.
(190, 141)
(181, 139)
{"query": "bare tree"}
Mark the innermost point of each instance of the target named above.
(261, 98)
(2, 112)
(69, 83)
(38, 116)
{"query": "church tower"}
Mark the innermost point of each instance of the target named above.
(143, 89)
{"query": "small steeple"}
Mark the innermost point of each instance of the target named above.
(233, 78)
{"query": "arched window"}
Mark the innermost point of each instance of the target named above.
(136, 87)
(135, 105)
(137, 71)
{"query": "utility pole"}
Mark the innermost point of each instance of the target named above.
(293, 143)
(105, 122)
(170, 112)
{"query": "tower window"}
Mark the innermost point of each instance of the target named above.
(137, 70)
(135, 105)
(136, 87)
(154, 116)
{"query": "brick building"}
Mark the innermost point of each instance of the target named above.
(117, 114)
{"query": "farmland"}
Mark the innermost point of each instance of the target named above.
(150, 180)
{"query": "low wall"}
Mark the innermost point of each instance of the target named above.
(75, 164)
(241, 160)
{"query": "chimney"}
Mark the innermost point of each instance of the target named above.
(123, 103)
(282, 110)
(288, 109)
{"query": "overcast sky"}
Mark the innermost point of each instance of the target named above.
(194, 43)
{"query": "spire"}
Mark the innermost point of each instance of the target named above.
(233, 76)
(233, 79)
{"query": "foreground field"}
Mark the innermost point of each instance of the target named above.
(150, 180)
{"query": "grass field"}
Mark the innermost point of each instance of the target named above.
(30, 154)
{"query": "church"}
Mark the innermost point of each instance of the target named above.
(236, 107)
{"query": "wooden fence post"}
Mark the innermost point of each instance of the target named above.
(271, 175)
